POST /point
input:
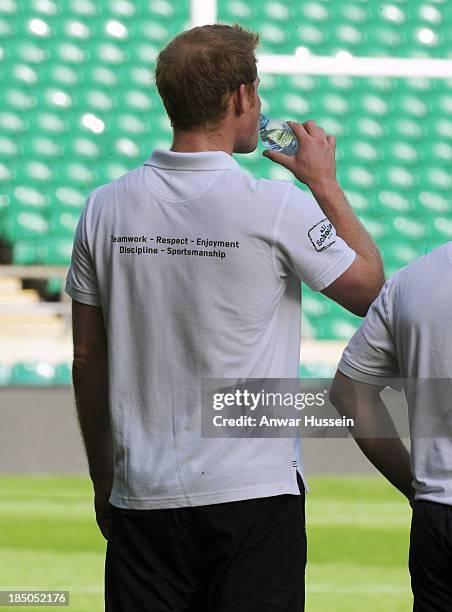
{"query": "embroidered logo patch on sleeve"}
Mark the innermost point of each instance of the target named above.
(322, 235)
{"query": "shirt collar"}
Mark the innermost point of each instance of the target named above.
(203, 160)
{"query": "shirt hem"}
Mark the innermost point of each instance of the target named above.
(364, 376)
(81, 296)
(204, 499)
(333, 273)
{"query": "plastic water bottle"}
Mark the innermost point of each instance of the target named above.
(277, 135)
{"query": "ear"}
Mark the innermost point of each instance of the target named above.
(241, 100)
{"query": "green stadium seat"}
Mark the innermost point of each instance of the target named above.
(417, 86)
(272, 83)
(435, 177)
(437, 152)
(393, 202)
(357, 150)
(312, 11)
(381, 85)
(64, 223)
(100, 76)
(9, 148)
(129, 125)
(95, 100)
(16, 100)
(25, 252)
(431, 203)
(56, 250)
(9, 7)
(24, 223)
(405, 128)
(76, 173)
(275, 37)
(384, 36)
(135, 101)
(338, 83)
(139, 76)
(48, 122)
(399, 177)
(12, 122)
(39, 373)
(314, 305)
(109, 53)
(44, 148)
(233, 10)
(357, 177)
(408, 228)
(369, 127)
(425, 14)
(376, 228)
(36, 170)
(151, 30)
(28, 196)
(84, 148)
(337, 327)
(70, 197)
(60, 75)
(331, 125)
(443, 85)
(85, 8)
(278, 11)
(398, 151)
(347, 35)
(442, 104)
(7, 29)
(440, 127)
(333, 104)
(351, 12)
(121, 9)
(288, 104)
(370, 105)
(7, 174)
(408, 104)
(360, 202)
(442, 227)
(399, 254)
(311, 36)
(77, 29)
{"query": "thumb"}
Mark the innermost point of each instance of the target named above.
(278, 158)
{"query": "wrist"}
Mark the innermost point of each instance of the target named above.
(323, 188)
(102, 485)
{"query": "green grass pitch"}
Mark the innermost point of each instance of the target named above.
(358, 530)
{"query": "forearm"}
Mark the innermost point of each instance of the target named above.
(90, 377)
(373, 429)
(334, 204)
(392, 459)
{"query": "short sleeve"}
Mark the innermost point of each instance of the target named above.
(81, 281)
(371, 354)
(306, 244)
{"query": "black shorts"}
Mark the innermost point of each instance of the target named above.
(431, 557)
(243, 556)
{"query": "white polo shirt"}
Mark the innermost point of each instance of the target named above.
(197, 268)
(407, 334)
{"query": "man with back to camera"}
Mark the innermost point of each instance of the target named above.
(195, 523)
(405, 337)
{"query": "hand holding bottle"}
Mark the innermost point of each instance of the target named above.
(315, 161)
